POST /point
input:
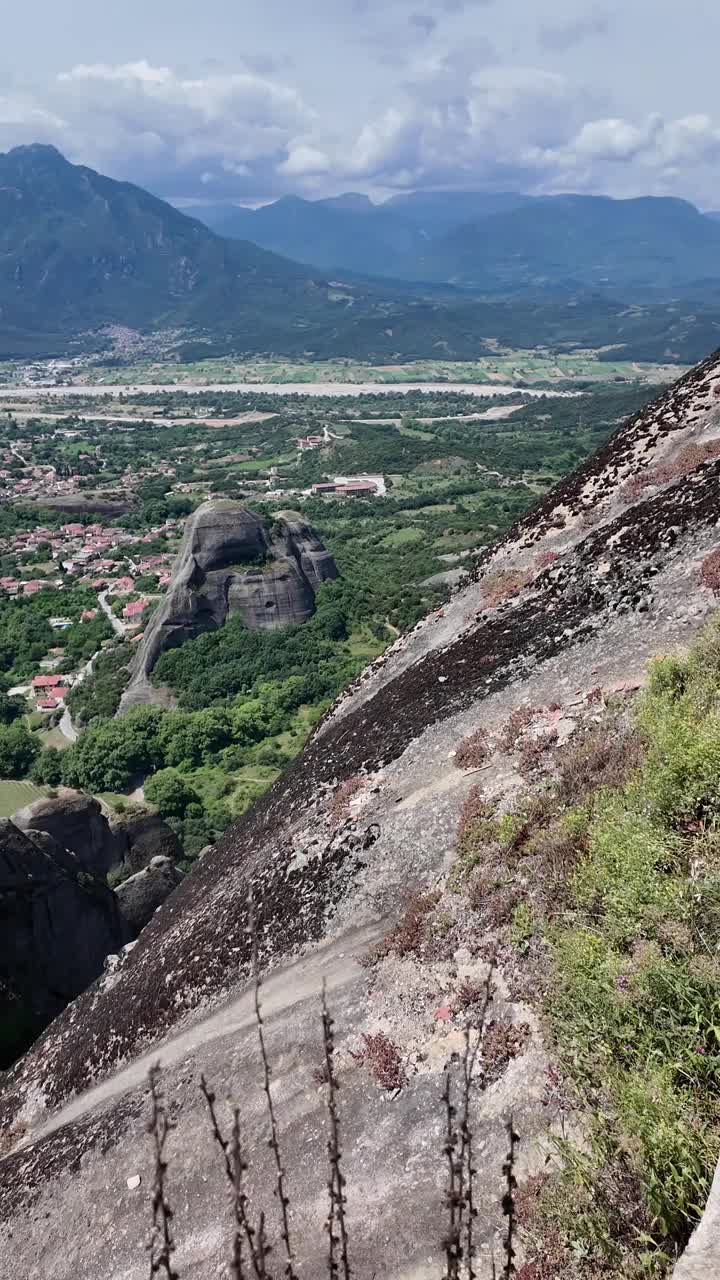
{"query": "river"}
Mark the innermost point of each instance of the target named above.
(483, 389)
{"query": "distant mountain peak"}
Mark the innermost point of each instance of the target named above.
(38, 151)
(354, 200)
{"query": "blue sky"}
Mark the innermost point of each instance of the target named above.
(248, 99)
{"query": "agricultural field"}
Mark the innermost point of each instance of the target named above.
(532, 368)
(15, 795)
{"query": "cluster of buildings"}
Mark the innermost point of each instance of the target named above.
(82, 552)
(351, 486)
(307, 443)
(49, 691)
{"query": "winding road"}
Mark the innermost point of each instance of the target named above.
(66, 726)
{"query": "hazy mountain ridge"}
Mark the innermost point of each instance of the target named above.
(80, 251)
(495, 242)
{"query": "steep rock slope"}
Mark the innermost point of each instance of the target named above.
(605, 574)
(229, 563)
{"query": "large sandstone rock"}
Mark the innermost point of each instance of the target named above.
(76, 822)
(57, 925)
(145, 836)
(141, 895)
(230, 562)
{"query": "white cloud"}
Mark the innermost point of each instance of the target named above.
(453, 113)
(302, 160)
(655, 157)
(150, 123)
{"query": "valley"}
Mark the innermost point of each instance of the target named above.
(434, 484)
(359, 635)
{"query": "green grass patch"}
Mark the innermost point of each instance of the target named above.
(403, 537)
(16, 795)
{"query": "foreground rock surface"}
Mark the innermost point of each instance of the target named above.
(231, 563)
(609, 567)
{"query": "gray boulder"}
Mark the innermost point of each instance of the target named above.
(145, 836)
(141, 895)
(57, 925)
(232, 562)
(76, 822)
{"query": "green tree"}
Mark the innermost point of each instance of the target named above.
(171, 793)
(47, 767)
(11, 709)
(18, 749)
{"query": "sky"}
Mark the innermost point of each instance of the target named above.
(204, 101)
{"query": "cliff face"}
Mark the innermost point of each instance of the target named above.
(57, 925)
(229, 563)
(605, 574)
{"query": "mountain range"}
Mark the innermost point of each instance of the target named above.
(81, 252)
(501, 242)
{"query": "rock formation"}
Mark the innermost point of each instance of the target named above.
(76, 822)
(144, 836)
(57, 925)
(231, 563)
(141, 895)
(603, 575)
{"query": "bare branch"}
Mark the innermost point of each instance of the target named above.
(274, 1141)
(162, 1244)
(508, 1203)
(336, 1179)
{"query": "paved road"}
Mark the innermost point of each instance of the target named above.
(66, 726)
(115, 623)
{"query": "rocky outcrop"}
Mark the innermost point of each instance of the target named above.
(141, 895)
(144, 836)
(75, 821)
(605, 574)
(231, 562)
(57, 925)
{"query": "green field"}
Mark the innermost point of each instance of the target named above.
(538, 366)
(15, 795)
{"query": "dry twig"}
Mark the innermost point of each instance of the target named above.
(162, 1244)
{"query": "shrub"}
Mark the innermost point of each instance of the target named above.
(409, 934)
(668, 675)
(544, 559)
(710, 571)
(604, 756)
(502, 585)
(476, 817)
(382, 1058)
(502, 1042)
(343, 794)
(515, 726)
(473, 751)
(533, 752)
